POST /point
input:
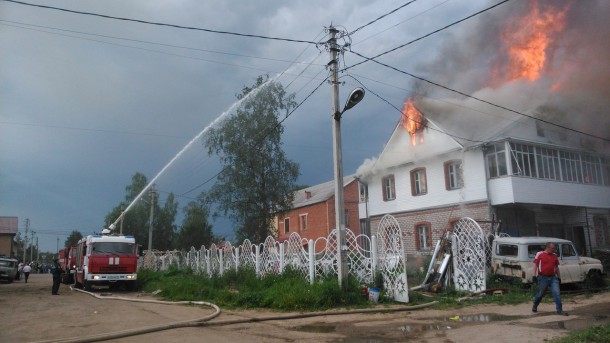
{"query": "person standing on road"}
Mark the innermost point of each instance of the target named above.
(56, 271)
(26, 272)
(19, 271)
(546, 273)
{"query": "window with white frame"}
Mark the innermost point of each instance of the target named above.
(496, 160)
(389, 189)
(419, 185)
(453, 174)
(286, 225)
(302, 222)
(424, 237)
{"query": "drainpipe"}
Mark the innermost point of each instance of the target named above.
(588, 232)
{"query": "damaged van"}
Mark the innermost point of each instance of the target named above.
(513, 257)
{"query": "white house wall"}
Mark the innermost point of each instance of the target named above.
(509, 190)
(474, 185)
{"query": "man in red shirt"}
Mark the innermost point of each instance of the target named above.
(546, 272)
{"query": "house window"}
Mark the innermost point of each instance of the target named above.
(286, 225)
(389, 189)
(423, 238)
(418, 181)
(523, 160)
(496, 160)
(303, 222)
(346, 218)
(453, 175)
(363, 189)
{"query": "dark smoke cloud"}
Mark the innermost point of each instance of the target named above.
(573, 89)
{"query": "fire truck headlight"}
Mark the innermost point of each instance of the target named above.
(131, 276)
(96, 277)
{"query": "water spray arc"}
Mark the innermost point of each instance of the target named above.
(218, 119)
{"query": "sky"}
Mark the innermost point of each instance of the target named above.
(86, 102)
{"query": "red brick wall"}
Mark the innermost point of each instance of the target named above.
(321, 216)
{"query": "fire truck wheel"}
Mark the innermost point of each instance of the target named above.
(87, 285)
(130, 285)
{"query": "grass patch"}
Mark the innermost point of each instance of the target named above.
(243, 289)
(595, 334)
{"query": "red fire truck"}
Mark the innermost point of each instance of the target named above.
(67, 262)
(110, 260)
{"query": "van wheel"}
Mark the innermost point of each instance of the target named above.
(594, 279)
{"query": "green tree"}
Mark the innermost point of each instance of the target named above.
(257, 178)
(136, 221)
(195, 230)
(74, 237)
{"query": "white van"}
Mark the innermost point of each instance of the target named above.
(513, 257)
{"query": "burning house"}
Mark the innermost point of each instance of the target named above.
(534, 155)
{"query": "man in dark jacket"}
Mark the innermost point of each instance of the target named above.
(56, 271)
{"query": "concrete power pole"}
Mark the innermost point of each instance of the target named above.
(25, 239)
(152, 209)
(32, 244)
(37, 250)
(338, 160)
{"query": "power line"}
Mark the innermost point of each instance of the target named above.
(481, 100)
(162, 24)
(417, 121)
(383, 16)
(402, 22)
(265, 134)
(427, 35)
(145, 41)
(141, 48)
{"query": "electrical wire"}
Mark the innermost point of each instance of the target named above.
(419, 122)
(161, 24)
(383, 16)
(426, 35)
(148, 42)
(482, 100)
(402, 22)
(265, 134)
(144, 49)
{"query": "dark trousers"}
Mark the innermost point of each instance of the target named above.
(26, 275)
(56, 281)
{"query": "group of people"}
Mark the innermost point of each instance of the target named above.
(26, 268)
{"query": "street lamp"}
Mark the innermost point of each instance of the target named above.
(354, 98)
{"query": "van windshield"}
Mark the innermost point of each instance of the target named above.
(112, 248)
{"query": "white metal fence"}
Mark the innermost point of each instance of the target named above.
(312, 258)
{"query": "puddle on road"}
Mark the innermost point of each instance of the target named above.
(419, 328)
(316, 328)
(482, 318)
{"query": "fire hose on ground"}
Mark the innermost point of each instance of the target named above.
(205, 321)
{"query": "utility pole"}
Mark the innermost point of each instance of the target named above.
(25, 239)
(31, 245)
(57, 247)
(152, 210)
(342, 271)
(37, 250)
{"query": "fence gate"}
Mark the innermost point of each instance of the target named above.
(469, 247)
(392, 259)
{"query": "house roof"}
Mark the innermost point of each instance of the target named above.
(319, 193)
(8, 225)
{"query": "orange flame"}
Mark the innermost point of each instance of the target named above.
(527, 40)
(413, 121)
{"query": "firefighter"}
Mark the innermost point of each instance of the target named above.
(56, 271)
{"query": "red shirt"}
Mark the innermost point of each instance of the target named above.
(547, 263)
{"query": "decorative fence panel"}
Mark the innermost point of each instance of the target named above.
(469, 246)
(312, 259)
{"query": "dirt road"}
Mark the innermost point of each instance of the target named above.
(29, 313)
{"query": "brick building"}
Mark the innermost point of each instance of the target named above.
(8, 230)
(313, 211)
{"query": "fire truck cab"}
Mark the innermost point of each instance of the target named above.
(110, 260)
(67, 262)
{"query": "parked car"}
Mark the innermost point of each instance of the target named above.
(513, 257)
(8, 269)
